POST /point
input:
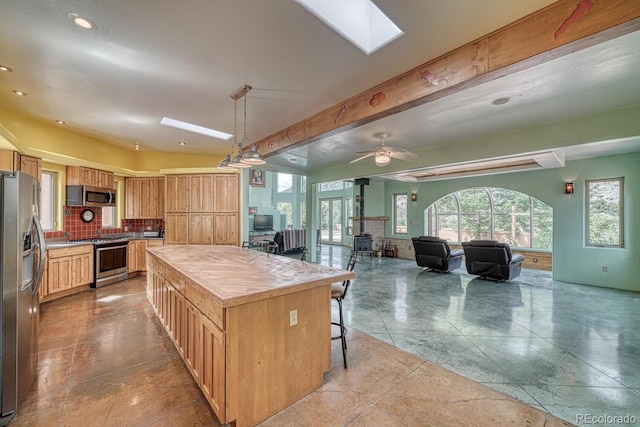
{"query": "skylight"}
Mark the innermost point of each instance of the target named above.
(195, 128)
(358, 21)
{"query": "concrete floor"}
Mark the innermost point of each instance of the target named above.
(567, 351)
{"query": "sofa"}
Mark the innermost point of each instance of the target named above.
(434, 254)
(491, 259)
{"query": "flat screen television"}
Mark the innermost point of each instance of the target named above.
(263, 223)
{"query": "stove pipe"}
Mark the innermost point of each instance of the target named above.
(362, 182)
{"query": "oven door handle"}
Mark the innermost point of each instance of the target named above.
(104, 248)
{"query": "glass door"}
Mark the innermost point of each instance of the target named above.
(331, 220)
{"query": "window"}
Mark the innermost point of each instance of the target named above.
(48, 197)
(400, 213)
(349, 212)
(287, 209)
(332, 185)
(109, 215)
(492, 213)
(285, 183)
(303, 214)
(605, 210)
(303, 184)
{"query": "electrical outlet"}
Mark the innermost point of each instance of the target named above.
(293, 317)
(605, 269)
(535, 260)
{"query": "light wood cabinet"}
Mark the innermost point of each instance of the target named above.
(192, 338)
(14, 161)
(144, 198)
(226, 228)
(137, 254)
(212, 355)
(177, 193)
(201, 193)
(106, 179)
(176, 228)
(222, 340)
(227, 193)
(68, 268)
(131, 198)
(148, 199)
(80, 175)
(212, 204)
(201, 229)
(31, 166)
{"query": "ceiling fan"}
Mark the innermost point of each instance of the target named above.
(384, 153)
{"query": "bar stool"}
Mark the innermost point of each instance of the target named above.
(338, 293)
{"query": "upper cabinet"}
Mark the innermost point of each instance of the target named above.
(202, 209)
(80, 175)
(227, 196)
(14, 161)
(177, 191)
(144, 198)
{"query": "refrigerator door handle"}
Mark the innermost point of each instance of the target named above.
(43, 254)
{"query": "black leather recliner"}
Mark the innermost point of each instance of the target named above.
(491, 259)
(434, 253)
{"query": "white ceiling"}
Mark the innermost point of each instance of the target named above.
(148, 59)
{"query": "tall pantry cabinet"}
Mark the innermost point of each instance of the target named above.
(202, 209)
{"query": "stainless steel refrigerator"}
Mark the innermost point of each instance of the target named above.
(22, 261)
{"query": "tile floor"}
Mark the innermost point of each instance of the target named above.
(570, 350)
(562, 349)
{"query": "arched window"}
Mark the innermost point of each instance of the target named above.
(491, 213)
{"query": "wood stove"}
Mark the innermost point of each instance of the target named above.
(362, 242)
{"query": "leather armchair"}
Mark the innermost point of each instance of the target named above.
(434, 253)
(491, 259)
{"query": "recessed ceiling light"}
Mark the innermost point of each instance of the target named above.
(61, 122)
(20, 93)
(81, 21)
(5, 68)
(500, 101)
(195, 128)
(358, 21)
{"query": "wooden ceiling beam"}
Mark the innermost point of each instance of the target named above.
(552, 32)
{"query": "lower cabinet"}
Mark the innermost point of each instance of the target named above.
(68, 268)
(212, 353)
(200, 342)
(137, 254)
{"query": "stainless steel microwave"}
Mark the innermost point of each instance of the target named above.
(82, 195)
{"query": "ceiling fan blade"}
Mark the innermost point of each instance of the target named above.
(365, 152)
(404, 155)
(395, 149)
(363, 157)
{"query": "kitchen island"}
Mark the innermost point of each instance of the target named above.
(253, 328)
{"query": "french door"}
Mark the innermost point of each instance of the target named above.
(331, 220)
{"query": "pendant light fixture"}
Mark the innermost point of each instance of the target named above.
(251, 157)
(224, 163)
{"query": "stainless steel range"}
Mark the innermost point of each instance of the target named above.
(110, 257)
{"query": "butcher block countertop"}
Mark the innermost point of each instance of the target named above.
(234, 276)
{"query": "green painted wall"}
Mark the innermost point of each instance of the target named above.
(572, 260)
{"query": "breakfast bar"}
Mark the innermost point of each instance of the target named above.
(253, 328)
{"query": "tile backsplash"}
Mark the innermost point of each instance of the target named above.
(76, 228)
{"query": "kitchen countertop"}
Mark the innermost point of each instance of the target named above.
(233, 276)
(58, 243)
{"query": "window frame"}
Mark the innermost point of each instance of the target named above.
(587, 213)
(396, 196)
(53, 196)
